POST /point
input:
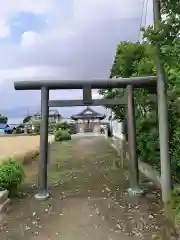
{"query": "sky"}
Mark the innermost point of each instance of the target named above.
(62, 39)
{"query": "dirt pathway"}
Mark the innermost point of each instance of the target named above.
(88, 199)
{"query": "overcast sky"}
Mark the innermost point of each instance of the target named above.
(64, 39)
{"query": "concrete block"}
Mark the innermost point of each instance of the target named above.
(6, 206)
(3, 196)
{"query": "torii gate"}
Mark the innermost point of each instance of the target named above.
(87, 86)
(130, 83)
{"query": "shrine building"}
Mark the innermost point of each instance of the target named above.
(88, 121)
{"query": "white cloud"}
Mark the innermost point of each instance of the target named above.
(10, 7)
(149, 13)
(4, 28)
(29, 39)
(105, 9)
(37, 6)
(18, 73)
(32, 73)
(79, 43)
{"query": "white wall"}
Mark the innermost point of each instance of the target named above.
(117, 128)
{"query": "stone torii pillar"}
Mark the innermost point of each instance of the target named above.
(42, 173)
(131, 122)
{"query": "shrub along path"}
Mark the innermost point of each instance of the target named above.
(88, 199)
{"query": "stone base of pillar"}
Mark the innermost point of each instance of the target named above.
(5, 206)
(41, 196)
(135, 192)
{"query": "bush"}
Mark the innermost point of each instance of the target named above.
(27, 119)
(175, 204)
(36, 124)
(62, 125)
(51, 127)
(62, 135)
(11, 175)
(18, 130)
(136, 59)
(73, 128)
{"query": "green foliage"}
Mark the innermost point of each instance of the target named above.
(62, 135)
(138, 62)
(36, 124)
(135, 59)
(62, 125)
(3, 119)
(11, 175)
(73, 128)
(175, 204)
(27, 119)
(19, 129)
(51, 127)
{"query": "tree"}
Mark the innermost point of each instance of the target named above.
(27, 119)
(36, 124)
(62, 125)
(3, 119)
(135, 59)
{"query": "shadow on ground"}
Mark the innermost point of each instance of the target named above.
(88, 199)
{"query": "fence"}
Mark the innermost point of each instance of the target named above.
(116, 129)
(119, 144)
(117, 141)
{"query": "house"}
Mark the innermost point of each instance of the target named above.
(88, 121)
(54, 116)
(6, 129)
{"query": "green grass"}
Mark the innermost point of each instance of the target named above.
(17, 135)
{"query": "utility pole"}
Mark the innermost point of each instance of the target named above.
(166, 181)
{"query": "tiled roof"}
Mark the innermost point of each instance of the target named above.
(88, 113)
(2, 125)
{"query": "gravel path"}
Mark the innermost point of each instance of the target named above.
(88, 200)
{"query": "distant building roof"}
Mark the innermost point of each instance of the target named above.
(88, 113)
(52, 112)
